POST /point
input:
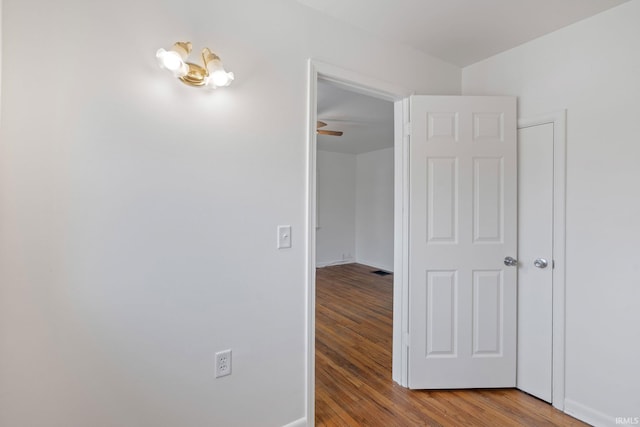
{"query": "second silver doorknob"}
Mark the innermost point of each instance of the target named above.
(541, 263)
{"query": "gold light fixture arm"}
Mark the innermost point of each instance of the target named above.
(208, 57)
(184, 48)
(196, 75)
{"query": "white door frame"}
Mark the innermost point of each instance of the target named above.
(558, 119)
(372, 87)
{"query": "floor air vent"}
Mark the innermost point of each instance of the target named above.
(381, 273)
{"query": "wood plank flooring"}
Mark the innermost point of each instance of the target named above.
(353, 367)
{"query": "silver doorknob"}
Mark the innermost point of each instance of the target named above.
(510, 262)
(541, 263)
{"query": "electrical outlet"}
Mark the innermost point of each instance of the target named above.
(223, 363)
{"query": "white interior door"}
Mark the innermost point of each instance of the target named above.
(535, 242)
(462, 225)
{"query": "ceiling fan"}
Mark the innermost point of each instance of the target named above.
(326, 131)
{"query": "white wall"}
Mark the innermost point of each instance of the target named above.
(355, 208)
(336, 189)
(592, 68)
(138, 216)
(374, 209)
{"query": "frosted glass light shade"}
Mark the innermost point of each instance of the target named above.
(221, 78)
(218, 76)
(172, 61)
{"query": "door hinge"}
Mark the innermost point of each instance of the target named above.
(407, 129)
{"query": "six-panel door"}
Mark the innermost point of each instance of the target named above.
(463, 214)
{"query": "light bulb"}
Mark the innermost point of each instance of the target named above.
(218, 77)
(221, 78)
(172, 61)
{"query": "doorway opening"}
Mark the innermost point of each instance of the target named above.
(354, 243)
(321, 73)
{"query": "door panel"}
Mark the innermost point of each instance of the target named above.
(488, 200)
(487, 313)
(441, 311)
(442, 200)
(535, 285)
(462, 219)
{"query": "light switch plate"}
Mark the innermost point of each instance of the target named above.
(284, 236)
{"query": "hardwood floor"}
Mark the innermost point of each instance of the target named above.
(353, 367)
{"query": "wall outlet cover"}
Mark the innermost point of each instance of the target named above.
(223, 363)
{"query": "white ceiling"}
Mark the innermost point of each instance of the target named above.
(460, 31)
(367, 122)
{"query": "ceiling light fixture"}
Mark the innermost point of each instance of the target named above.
(212, 74)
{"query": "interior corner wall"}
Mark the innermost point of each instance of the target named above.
(138, 215)
(336, 215)
(374, 209)
(590, 68)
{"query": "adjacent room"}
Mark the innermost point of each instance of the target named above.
(354, 221)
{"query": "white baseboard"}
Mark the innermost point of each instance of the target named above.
(323, 264)
(302, 422)
(588, 415)
(330, 263)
